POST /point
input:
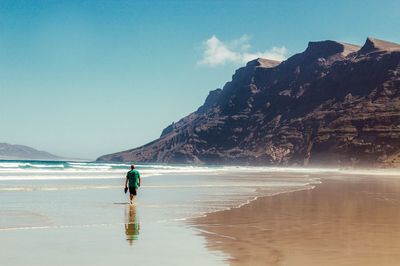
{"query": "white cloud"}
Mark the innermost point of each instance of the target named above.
(217, 52)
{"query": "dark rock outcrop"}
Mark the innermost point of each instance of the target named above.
(334, 104)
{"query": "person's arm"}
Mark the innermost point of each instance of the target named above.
(126, 181)
(140, 181)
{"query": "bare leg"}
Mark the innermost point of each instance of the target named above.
(131, 197)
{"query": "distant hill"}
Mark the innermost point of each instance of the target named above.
(334, 104)
(21, 152)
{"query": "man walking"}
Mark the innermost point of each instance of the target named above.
(133, 178)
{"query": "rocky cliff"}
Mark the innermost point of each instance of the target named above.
(333, 104)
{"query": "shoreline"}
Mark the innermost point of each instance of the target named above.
(327, 225)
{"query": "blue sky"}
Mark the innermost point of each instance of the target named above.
(85, 78)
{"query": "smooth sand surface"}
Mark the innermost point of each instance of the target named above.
(349, 221)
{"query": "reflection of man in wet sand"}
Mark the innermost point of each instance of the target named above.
(132, 227)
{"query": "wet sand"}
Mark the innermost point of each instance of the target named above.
(343, 221)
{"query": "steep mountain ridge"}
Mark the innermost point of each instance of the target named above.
(333, 104)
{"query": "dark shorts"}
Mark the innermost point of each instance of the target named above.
(132, 190)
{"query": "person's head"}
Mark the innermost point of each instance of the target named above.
(132, 167)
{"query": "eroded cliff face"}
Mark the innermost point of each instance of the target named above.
(334, 104)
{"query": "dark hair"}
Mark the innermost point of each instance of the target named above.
(132, 166)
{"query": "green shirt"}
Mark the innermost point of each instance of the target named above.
(133, 178)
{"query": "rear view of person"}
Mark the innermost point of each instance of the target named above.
(133, 179)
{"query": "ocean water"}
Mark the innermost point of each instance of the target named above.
(73, 211)
(181, 191)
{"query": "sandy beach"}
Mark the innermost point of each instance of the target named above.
(77, 214)
(343, 221)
